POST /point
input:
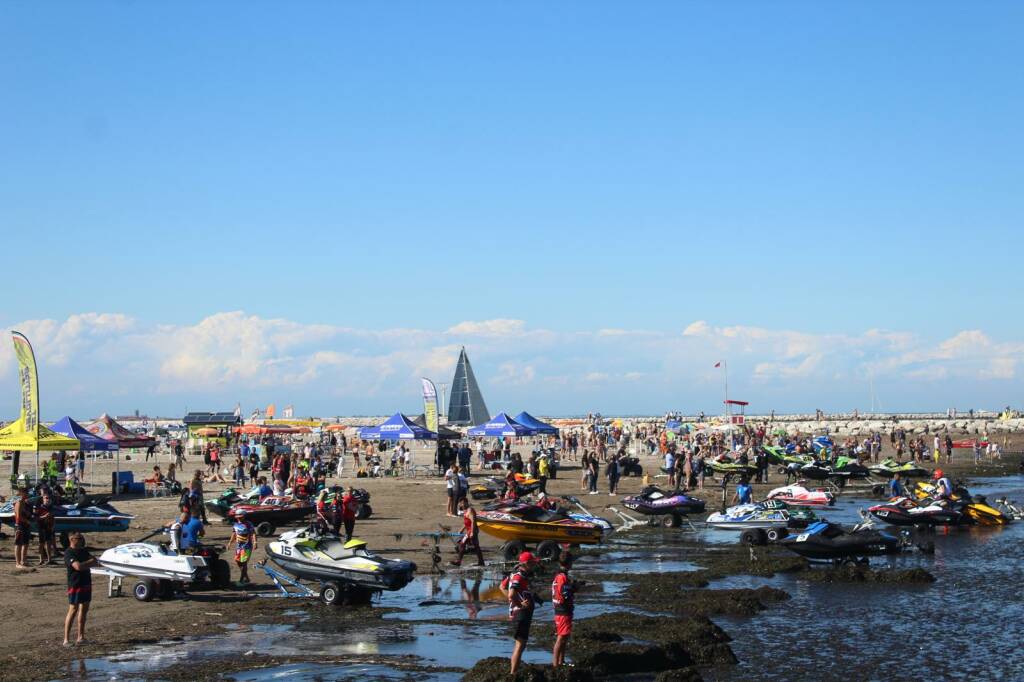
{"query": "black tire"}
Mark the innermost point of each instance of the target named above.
(511, 550)
(753, 537)
(144, 590)
(364, 511)
(549, 549)
(775, 534)
(671, 521)
(265, 529)
(331, 594)
(220, 574)
(165, 589)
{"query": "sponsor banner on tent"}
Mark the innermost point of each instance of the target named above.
(28, 377)
(430, 404)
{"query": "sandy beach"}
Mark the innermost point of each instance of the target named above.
(35, 600)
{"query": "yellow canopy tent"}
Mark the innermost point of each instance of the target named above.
(15, 436)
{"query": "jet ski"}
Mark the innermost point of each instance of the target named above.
(724, 465)
(887, 467)
(902, 511)
(767, 514)
(975, 508)
(824, 541)
(97, 518)
(850, 468)
(493, 487)
(530, 523)
(780, 456)
(652, 501)
(157, 567)
(799, 496)
(329, 558)
(229, 498)
(273, 511)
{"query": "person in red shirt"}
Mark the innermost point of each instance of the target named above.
(349, 509)
(470, 539)
(22, 528)
(563, 599)
(521, 603)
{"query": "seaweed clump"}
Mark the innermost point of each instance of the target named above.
(495, 669)
(863, 574)
(622, 643)
(664, 592)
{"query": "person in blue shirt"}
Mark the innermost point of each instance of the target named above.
(744, 493)
(265, 490)
(191, 531)
(896, 486)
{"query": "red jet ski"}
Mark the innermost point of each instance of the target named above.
(274, 511)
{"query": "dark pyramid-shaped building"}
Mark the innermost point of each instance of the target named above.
(466, 406)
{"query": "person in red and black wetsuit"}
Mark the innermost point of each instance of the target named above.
(563, 599)
(22, 528)
(79, 562)
(349, 510)
(470, 539)
(521, 603)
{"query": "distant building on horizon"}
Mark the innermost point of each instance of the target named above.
(466, 406)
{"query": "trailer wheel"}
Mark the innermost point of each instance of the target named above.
(364, 511)
(753, 537)
(143, 590)
(220, 573)
(511, 550)
(775, 534)
(330, 593)
(265, 529)
(549, 549)
(671, 521)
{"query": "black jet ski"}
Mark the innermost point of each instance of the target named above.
(824, 541)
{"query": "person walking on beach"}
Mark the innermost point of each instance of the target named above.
(521, 604)
(78, 562)
(470, 540)
(613, 474)
(949, 449)
(243, 536)
(563, 599)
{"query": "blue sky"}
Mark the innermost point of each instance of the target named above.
(813, 171)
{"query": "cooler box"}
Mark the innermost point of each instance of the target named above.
(121, 480)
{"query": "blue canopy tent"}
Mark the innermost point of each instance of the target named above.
(88, 442)
(535, 425)
(397, 427)
(501, 425)
(673, 425)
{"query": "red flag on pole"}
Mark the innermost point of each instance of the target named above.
(718, 364)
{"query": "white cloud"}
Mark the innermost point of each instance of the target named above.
(233, 355)
(498, 327)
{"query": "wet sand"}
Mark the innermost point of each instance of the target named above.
(35, 601)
